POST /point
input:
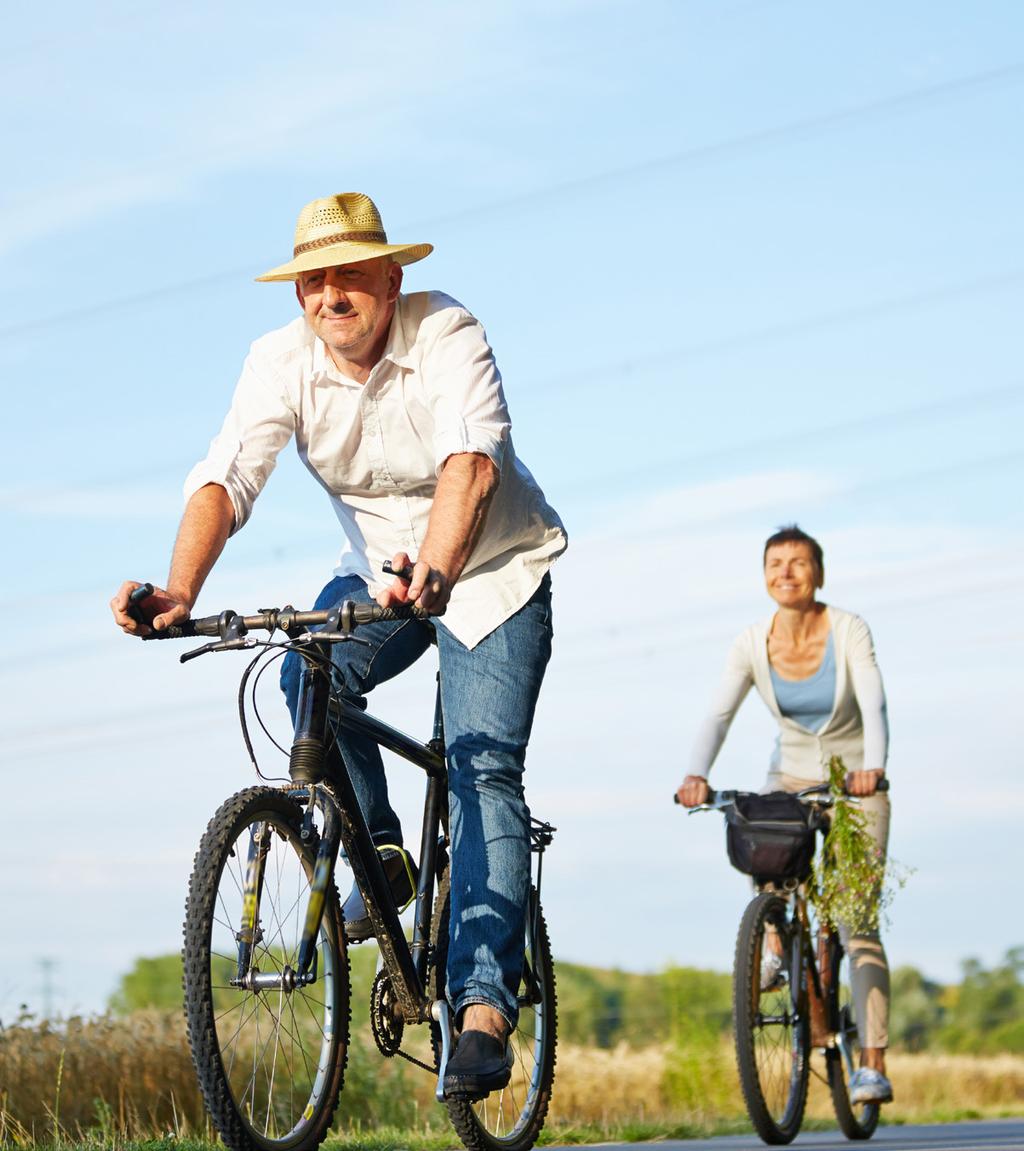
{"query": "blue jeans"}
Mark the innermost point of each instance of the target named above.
(488, 697)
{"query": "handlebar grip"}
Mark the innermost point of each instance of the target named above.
(371, 612)
(186, 630)
(883, 784)
(711, 796)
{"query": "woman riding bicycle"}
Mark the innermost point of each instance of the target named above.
(814, 667)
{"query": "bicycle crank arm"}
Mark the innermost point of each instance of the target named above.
(443, 1017)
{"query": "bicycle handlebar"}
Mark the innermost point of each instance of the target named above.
(819, 793)
(347, 616)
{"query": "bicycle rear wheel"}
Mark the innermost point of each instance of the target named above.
(770, 1022)
(269, 1054)
(856, 1121)
(512, 1118)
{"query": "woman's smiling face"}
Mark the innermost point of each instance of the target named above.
(791, 574)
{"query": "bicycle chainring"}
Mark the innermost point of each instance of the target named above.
(385, 1016)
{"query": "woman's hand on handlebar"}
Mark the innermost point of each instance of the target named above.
(693, 791)
(153, 612)
(862, 783)
(416, 583)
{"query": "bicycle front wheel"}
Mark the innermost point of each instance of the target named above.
(269, 1051)
(856, 1121)
(511, 1118)
(770, 1022)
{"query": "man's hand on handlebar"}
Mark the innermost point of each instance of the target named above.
(693, 791)
(862, 783)
(416, 583)
(153, 612)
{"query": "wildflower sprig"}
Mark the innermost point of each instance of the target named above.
(848, 882)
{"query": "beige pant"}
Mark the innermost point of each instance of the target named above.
(869, 968)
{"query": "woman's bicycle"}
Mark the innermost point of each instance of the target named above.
(266, 970)
(791, 975)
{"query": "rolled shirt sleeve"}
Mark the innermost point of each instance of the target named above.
(464, 390)
(244, 453)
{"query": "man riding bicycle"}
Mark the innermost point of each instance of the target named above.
(397, 409)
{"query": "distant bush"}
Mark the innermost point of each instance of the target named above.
(603, 1008)
(986, 1012)
(152, 984)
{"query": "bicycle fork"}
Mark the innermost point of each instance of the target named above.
(250, 932)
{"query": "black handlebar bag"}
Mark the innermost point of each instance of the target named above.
(770, 837)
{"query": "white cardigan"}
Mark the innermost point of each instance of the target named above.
(857, 729)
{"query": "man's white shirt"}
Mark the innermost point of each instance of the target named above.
(377, 450)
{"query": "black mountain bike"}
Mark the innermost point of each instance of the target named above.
(791, 976)
(265, 955)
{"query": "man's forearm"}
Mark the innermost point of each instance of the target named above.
(463, 496)
(205, 527)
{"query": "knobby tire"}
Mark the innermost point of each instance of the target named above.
(270, 1063)
(512, 1118)
(770, 1027)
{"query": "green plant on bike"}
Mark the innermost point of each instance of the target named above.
(847, 883)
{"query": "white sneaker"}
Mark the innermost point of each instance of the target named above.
(869, 1086)
(772, 975)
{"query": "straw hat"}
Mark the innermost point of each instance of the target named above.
(341, 229)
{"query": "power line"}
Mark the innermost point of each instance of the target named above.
(701, 153)
(1009, 394)
(113, 732)
(810, 125)
(888, 485)
(771, 333)
(888, 420)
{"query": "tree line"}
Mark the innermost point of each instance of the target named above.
(598, 1007)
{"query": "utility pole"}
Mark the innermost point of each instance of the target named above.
(47, 968)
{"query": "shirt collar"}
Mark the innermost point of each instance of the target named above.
(399, 346)
(397, 349)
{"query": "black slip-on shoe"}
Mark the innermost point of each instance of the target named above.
(401, 874)
(480, 1064)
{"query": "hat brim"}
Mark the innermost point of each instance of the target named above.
(349, 252)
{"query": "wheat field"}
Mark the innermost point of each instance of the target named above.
(111, 1080)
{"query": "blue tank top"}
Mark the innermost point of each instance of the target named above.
(809, 701)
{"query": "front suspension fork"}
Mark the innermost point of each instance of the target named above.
(250, 932)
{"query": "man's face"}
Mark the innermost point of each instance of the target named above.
(350, 307)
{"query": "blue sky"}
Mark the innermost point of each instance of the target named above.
(742, 263)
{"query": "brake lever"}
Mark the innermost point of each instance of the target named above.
(217, 645)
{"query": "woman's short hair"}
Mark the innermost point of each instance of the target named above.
(791, 534)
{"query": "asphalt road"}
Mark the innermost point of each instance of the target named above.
(990, 1135)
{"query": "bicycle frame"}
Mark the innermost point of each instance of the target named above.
(319, 807)
(811, 971)
(315, 760)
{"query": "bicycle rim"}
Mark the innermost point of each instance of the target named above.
(511, 1118)
(856, 1121)
(770, 1024)
(270, 1055)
